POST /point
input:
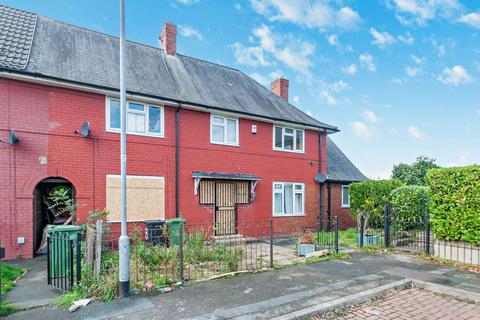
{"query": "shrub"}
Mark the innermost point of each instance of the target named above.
(455, 211)
(411, 204)
(413, 174)
(368, 198)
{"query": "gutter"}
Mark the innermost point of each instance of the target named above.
(69, 84)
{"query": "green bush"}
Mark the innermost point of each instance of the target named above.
(411, 204)
(369, 198)
(455, 211)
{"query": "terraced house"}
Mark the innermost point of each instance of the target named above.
(205, 141)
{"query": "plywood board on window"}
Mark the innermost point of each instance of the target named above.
(145, 198)
(207, 192)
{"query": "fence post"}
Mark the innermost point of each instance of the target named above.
(427, 231)
(71, 275)
(386, 223)
(49, 256)
(362, 226)
(79, 259)
(271, 244)
(180, 250)
(336, 234)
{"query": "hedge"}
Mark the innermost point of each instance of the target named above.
(370, 197)
(411, 204)
(455, 194)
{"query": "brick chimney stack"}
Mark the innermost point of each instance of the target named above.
(168, 38)
(280, 88)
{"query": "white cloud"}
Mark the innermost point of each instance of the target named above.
(339, 86)
(416, 59)
(407, 39)
(238, 6)
(413, 71)
(420, 11)
(370, 116)
(328, 98)
(397, 80)
(351, 69)
(333, 39)
(455, 76)
(187, 2)
(296, 100)
(368, 62)
(311, 14)
(361, 129)
(249, 56)
(189, 32)
(477, 111)
(472, 19)
(260, 79)
(416, 133)
(381, 39)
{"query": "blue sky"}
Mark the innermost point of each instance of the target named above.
(400, 78)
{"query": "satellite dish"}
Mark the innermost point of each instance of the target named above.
(12, 138)
(320, 178)
(85, 129)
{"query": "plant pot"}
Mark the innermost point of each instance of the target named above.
(304, 248)
(369, 239)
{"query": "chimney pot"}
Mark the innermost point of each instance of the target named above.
(168, 38)
(280, 88)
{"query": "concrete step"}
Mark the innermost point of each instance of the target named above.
(293, 306)
(231, 238)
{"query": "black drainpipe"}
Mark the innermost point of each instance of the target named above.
(177, 156)
(321, 184)
(329, 205)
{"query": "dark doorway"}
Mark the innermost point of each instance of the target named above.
(45, 212)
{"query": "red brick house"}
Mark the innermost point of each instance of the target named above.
(195, 129)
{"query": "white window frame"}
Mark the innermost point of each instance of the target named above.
(225, 120)
(283, 214)
(294, 140)
(145, 112)
(344, 205)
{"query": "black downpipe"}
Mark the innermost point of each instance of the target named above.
(320, 144)
(177, 159)
(329, 205)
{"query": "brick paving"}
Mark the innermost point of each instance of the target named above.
(411, 304)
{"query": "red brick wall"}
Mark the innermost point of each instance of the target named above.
(336, 209)
(46, 118)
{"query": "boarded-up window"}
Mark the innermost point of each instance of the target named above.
(242, 192)
(207, 192)
(145, 198)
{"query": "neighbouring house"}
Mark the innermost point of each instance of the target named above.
(205, 141)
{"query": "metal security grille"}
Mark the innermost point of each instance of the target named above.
(225, 213)
(64, 261)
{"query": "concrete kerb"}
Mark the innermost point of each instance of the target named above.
(368, 295)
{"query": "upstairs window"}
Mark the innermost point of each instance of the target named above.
(288, 199)
(142, 119)
(223, 130)
(288, 139)
(345, 197)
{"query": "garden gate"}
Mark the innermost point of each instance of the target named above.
(63, 260)
(407, 233)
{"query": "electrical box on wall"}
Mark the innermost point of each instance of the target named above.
(254, 128)
(21, 240)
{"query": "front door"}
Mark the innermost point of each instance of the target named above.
(225, 215)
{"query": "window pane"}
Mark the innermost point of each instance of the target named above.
(278, 186)
(298, 187)
(288, 192)
(140, 123)
(218, 134)
(231, 131)
(298, 203)
(154, 120)
(299, 139)
(136, 106)
(288, 131)
(288, 142)
(131, 122)
(217, 120)
(278, 137)
(345, 194)
(114, 114)
(277, 206)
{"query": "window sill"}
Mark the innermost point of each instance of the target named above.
(226, 144)
(280, 215)
(346, 207)
(290, 151)
(137, 134)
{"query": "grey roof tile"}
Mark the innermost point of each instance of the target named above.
(16, 33)
(339, 167)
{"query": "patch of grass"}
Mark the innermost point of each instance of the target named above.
(6, 309)
(346, 238)
(9, 275)
(455, 264)
(278, 266)
(67, 299)
(333, 255)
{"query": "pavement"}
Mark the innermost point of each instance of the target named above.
(31, 291)
(279, 294)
